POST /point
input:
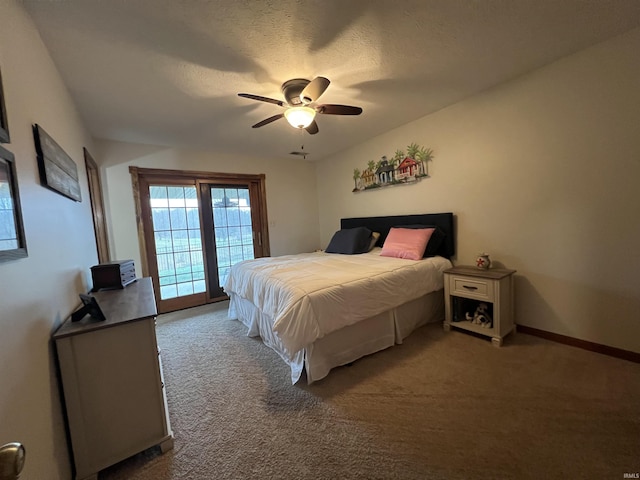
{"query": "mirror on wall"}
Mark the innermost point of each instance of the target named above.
(12, 239)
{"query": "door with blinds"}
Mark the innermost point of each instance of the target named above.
(194, 228)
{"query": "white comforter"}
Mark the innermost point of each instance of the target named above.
(312, 294)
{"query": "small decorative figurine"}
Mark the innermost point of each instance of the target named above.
(480, 316)
(483, 261)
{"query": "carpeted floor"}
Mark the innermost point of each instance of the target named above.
(440, 406)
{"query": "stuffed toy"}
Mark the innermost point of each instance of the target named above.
(481, 316)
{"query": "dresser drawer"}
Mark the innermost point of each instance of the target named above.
(471, 287)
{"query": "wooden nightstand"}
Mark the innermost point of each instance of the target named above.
(466, 288)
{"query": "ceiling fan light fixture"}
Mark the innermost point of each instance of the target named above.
(300, 117)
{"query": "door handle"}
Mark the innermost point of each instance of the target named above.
(12, 456)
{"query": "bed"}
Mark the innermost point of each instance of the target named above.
(322, 310)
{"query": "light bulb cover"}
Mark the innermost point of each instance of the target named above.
(300, 117)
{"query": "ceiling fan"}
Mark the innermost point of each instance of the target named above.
(300, 104)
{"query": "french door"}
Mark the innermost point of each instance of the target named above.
(194, 227)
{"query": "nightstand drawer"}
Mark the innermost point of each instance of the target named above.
(471, 287)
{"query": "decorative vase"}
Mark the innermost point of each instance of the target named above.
(483, 261)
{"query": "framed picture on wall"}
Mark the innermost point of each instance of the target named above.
(4, 125)
(12, 239)
(58, 171)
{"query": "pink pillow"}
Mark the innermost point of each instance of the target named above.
(408, 243)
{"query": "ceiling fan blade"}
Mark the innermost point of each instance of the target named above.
(262, 99)
(312, 128)
(338, 110)
(316, 87)
(268, 120)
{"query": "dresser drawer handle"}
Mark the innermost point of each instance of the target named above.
(469, 287)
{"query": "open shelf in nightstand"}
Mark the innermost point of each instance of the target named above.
(467, 287)
(461, 307)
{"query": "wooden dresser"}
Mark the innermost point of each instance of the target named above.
(112, 380)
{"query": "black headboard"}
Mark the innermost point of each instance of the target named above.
(383, 224)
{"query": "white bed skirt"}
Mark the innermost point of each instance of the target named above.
(347, 344)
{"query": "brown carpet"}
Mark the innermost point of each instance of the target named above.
(440, 406)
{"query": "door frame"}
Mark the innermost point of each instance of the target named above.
(97, 207)
(142, 177)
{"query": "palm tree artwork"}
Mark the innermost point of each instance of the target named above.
(412, 150)
(423, 156)
(356, 176)
(406, 168)
(398, 156)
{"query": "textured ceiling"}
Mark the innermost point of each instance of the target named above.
(167, 72)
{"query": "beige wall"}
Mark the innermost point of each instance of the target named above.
(542, 173)
(292, 207)
(38, 292)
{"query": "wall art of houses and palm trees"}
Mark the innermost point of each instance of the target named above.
(403, 168)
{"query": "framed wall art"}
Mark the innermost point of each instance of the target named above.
(12, 240)
(58, 171)
(4, 125)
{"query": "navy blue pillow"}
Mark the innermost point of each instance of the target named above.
(437, 237)
(350, 241)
